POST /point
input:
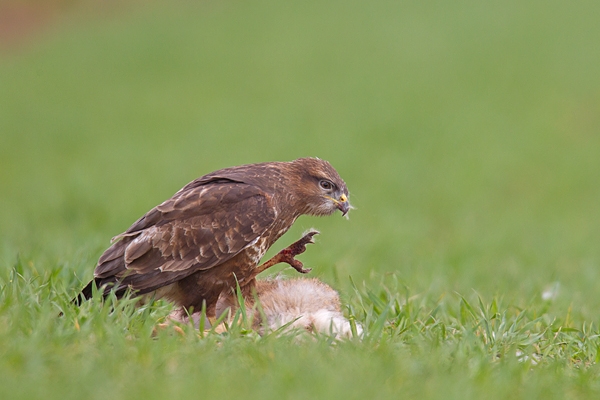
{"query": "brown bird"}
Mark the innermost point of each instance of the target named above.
(194, 246)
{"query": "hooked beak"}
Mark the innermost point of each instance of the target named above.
(343, 205)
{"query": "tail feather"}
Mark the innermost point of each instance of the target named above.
(105, 285)
(86, 293)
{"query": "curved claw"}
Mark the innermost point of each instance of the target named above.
(298, 266)
(287, 255)
(299, 246)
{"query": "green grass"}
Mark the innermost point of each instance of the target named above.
(467, 132)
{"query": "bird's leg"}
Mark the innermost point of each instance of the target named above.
(287, 255)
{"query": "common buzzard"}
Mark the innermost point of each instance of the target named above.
(215, 230)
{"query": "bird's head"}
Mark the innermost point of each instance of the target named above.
(320, 187)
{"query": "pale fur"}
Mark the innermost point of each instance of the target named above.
(306, 304)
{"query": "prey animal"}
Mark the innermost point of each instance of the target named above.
(290, 304)
(214, 231)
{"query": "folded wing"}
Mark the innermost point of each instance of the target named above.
(199, 228)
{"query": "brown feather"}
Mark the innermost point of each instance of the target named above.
(216, 229)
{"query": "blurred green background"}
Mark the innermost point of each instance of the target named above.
(468, 133)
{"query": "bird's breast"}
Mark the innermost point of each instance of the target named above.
(255, 252)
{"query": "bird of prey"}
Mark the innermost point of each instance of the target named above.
(213, 232)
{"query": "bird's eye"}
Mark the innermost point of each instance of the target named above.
(326, 185)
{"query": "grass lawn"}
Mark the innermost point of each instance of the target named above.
(468, 134)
